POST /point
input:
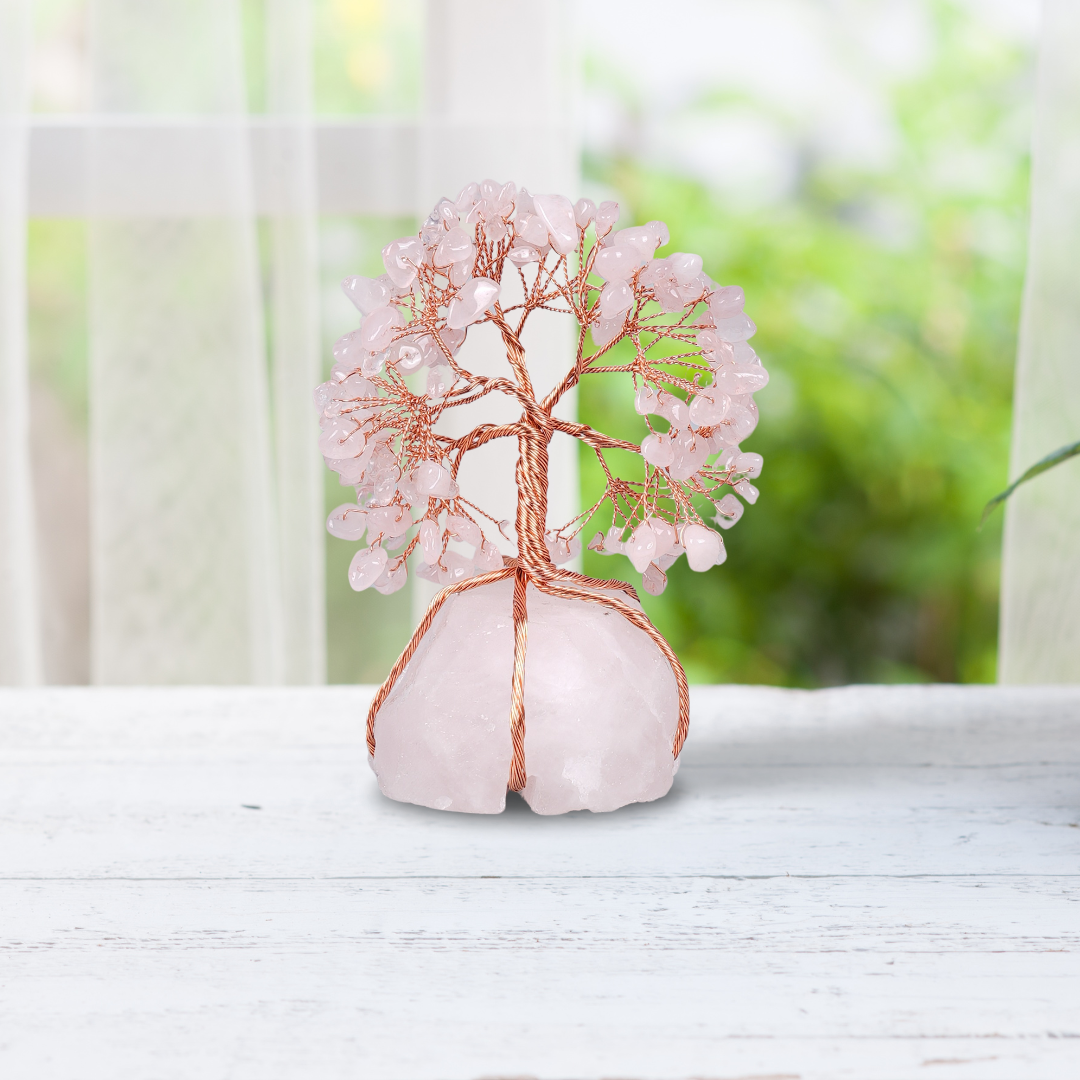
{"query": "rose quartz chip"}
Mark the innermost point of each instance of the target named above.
(641, 547)
(431, 478)
(646, 401)
(654, 580)
(666, 537)
(409, 358)
(531, 229)
(728, 511)
(431, 540)
(468, 197)
(737, 328)
(401, 258)
(477, 295)
(440, 379)
(343, 439)
(686, 267)
(657, 450)
(703, 547)
(348, 349)
(393, 578)
(727, 302)
(378, 329)
(739, 379)
(487, 558)
(456, 246)
(751, 464)
(347, 522)
(557, 214)
(709, 406)
(641, 241)
(601, 708)
(606, 216)
(522, 254)
(366, 568)
(659, 232)
(616, 299)
(690, 454)
(366, 293)
(464, 529)
(606, 330)
(616, 263)
(747, 491)
(388, 521)
(455, 567)
(584, 212)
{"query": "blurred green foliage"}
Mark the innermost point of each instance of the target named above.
(367, 56)
(56, 313)
(887, 305)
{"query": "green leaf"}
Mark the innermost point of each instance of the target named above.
(1048, 462)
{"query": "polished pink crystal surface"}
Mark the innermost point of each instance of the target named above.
(601, 708)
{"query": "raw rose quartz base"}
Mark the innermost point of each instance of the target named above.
(601, 707)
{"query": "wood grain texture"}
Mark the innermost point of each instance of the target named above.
(865, 883)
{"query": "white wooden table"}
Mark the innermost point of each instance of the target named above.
(864, 883)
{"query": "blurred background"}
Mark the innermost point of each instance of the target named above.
(860, 167)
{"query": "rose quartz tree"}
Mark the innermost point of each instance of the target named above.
(525, 674)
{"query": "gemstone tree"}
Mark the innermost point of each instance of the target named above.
(524, 674)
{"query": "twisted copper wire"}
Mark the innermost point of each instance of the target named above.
(531, 476)
(559, 574)
(534, 564)
(517, 686)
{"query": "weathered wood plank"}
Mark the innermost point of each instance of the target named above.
(859, 883)
(635, 977)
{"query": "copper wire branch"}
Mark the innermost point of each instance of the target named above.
(411, 419)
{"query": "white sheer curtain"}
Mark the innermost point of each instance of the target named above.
(294, 269)
(20, 650)
(207, 539)
(207, 543)
(1040, 595)
(478, 123)
(203, 568)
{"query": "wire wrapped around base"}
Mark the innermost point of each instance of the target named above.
(554, 582)
(533, 565)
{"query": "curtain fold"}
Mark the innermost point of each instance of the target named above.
(186, 581)
(294, 302)
(20, 640)
(477, 126)
(1040, 587)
